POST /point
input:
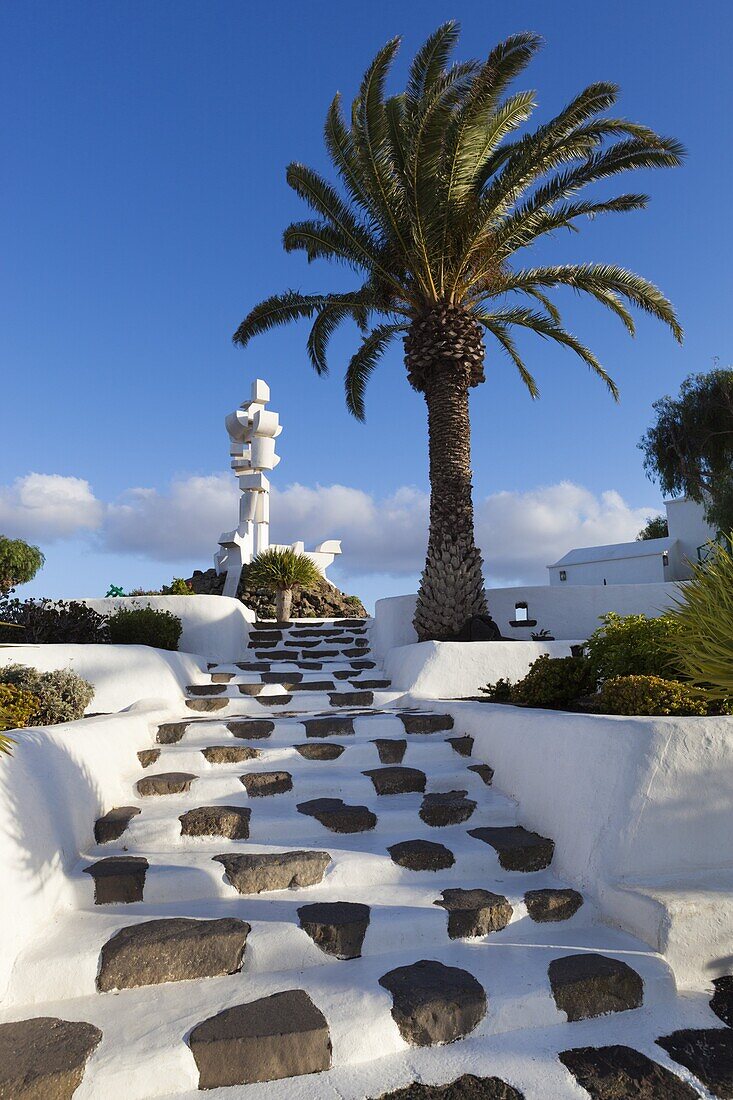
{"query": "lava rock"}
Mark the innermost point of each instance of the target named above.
(265, 784)
(253, 874)
(421, 855)
(334, 814)
(518, 848)
(552, 905)
(397, 780)
(587, 985)
(442, 808)
(229, 754)
(483, 771)
(462, 745)
(206, 689)
(148, 757)
(221, 677)
(44, 1058)
(433, 1003)
(284, 1035)
(118, 879)
(707, 1052)
(616, 1072)
(419, 722)
(275, 700)
(203, 706)
(390, 751)
(722, 999)
(326, 750)
(228, 821)
(479, 628)
(112, 825)
(466, 1087)
(170, 733)
(351, 698)
(251, 729)
(336, 726)
(337, 927)
(165, 783)
(172, 950)
(474, 912)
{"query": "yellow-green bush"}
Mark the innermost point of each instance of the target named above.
(633, 645)
(703, 643)
(553, 682)
(649, 695)
(17, 707)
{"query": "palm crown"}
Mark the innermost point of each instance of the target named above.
(439, 196)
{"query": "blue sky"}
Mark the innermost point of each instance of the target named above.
(144, 148)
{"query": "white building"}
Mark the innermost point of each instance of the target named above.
(645, 562)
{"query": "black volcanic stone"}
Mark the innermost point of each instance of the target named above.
(165, 783)
(397, 780)
(148, 757)
(421, 855)
(206, 689)
(320, 750)
(118, 879)
(722, 1000)
(587, 985)
(619, 1072)
(420, 722)
(433, 1003)
(255, 873)
(169, 733)
(390, 751)
(337, 927)
(351, 698)
(483, 771)
(544, 906)
(229, 754)
(442, 808)
(280, 1036)
(251, 729)
(265, 784)
(707, 1052)
(335, 815)
(206, 705)
(228, 821)
(474, 912)
(44, 1058)
(462, 745)
(466, 1087)
(338, 725)
(518, 848)
(113, 824)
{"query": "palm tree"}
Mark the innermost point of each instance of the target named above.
(280, 571)
(439, 195)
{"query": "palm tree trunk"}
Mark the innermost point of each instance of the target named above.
(283, 604)
(452, 586)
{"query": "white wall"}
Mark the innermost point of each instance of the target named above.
(567, 612)
(215, 626)
(686, 522)
(58, 782)
(455, 670)
(121, 674)
(636, 569)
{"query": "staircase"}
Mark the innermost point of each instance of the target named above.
(311, 877)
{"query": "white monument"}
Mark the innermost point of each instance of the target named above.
(253, 430)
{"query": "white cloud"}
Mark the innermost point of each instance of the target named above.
(48, 507)
(519, 533)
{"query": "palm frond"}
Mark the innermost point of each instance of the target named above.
(430, 62)
(502, 334)
(279, 309)
(362, 365)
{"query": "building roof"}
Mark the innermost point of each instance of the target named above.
(645, 548)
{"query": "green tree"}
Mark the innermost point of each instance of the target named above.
(19, 562)
(689, 447)
(655, 528)
(438, 196)
(280, 571)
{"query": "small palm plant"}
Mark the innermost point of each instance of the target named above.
(703, 643)
(440, 198)
(281, 571)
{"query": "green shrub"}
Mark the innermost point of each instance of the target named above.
(56, 621)
(649, 695)
(17, 707)
(144, 626)
(178, 587)
(498, 692)
(62, 695)
(632, 645)
(554, 682)
(702, 645)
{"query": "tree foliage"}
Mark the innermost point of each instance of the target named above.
(282, 570)
(440, 194)
(689, 447)
(656, 527)
(19, 562)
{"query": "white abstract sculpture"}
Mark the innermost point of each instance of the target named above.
(253, 430)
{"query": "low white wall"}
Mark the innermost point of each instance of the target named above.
(58, 782)
(566, 612)
(216, 626)
(121, 674)
(629, 802)
(453, 670)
